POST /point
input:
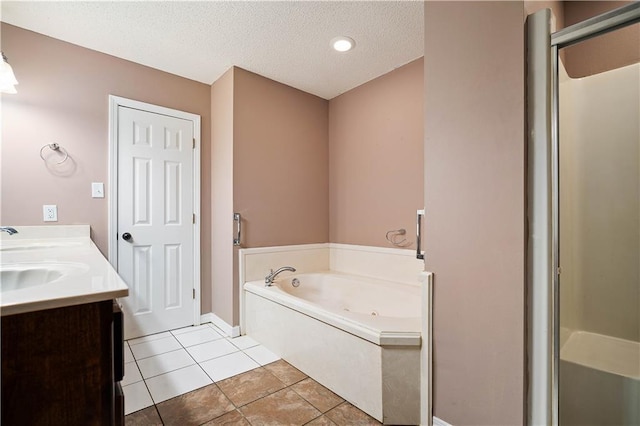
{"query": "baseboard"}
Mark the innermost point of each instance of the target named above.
(229, 330)
(440, 422)
(205, 318)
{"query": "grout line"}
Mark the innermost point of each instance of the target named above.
(227, 396)
(258, 399)
(315, 418)
(177, 369)
(134, 355)
(166, 372)
(147, 341)
(310, 403)
(157, 412)
(148, 390)
(140, 372)
(194, 360)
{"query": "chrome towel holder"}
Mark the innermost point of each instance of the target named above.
(54, 147)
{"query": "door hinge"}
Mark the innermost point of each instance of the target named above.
(194, 143)
(194, 293)
(194, 218)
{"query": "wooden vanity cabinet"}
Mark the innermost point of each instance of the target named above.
(58, 366)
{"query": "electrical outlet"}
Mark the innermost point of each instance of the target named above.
(50, 213)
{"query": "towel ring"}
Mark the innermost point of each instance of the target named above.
(54, 147)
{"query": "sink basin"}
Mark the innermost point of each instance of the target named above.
(19, 276)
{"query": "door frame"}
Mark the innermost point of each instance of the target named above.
(114, 103)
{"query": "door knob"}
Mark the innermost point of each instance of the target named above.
(126, 236)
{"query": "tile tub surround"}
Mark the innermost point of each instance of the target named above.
(92, 278)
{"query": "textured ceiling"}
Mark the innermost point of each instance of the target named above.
(285, 41)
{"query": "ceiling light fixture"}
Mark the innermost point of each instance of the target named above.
(343, 44)
(7, 77)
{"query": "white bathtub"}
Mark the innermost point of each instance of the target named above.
(358, 336)
(599, 380)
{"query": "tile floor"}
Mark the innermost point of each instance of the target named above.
(196, 376)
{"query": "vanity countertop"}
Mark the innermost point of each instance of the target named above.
(54, 266)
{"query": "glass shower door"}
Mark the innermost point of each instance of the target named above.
(599, 233)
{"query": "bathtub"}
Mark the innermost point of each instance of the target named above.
(599, 380)
(358, 336)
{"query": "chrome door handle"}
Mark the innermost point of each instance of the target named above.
(419, 215)
(238, 219)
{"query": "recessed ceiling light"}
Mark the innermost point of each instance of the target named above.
(343, 44)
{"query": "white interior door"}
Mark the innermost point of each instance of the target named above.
(155, 220)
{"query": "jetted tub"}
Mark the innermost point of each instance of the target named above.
(599, 380)
(358, 336)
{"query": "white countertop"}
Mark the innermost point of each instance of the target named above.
(89, 277)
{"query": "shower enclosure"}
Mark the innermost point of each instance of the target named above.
(599, 242)
(584, 213)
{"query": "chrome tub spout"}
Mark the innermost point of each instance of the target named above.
(268, 280)
(9, 230)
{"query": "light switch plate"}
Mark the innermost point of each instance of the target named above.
(50, 213)
(97, 190)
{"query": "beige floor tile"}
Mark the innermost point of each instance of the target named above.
(247, 387)
(282, 408)
(284, 371)
(319, 396)
(196, 407)
(147, 417)
(346, 414)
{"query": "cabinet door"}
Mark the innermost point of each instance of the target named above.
(57, 366)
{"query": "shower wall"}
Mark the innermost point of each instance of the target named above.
(600, 203)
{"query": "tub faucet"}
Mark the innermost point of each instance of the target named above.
(9, 230)
(268, 280)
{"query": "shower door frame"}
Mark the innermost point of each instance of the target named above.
(550, 165)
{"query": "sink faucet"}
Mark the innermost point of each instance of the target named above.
(268, 280)
(9, 230)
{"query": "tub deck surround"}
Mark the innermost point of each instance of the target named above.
(604, 353)
(358, 305)
(393, 264)
(599, 380)
(390, 264)
(355, 330)
(84, 275)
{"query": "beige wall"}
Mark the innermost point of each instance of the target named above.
(376, 158)
(63, 97)
(282, 175)
(280, 162)
(222, 302)
(607, 52)
(270, 164)
(475, 208)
